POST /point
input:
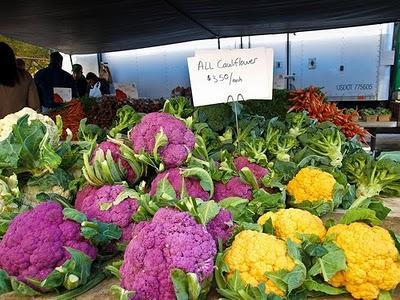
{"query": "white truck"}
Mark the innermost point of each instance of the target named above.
(349, 63)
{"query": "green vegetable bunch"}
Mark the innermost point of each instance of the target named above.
(372, 177)
(325, 140)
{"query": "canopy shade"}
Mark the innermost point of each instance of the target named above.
(101, 26)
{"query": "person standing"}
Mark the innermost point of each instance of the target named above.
(96, 83)
(80, 80)
(52, 77)
(17, 88)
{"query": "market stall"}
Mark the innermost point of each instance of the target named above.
(131, 199)
(113, 194)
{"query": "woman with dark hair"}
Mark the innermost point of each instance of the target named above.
(94, 81)
(17, 88)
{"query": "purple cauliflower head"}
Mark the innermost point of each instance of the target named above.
(115, 151)
(221, 227)
(34, 244)
(258, 171)
(180, 139)
(172, 239)
(233, 188)
(89, 199)
(192, 185)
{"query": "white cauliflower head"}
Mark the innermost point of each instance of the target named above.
(6, 124)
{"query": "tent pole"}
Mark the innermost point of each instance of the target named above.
(287, 61)
(99, 61)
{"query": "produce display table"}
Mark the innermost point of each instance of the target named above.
(102, 291)
(375, 128)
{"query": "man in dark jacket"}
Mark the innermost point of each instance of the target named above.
(52, 77)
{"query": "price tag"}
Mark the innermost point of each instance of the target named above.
(217, 74)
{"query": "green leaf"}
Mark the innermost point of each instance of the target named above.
(102, 169)
(206, 181)
(360, 214)
(190, 205)
(180, 283)
(248, 177)
(126, 119)
(247, 226)
(331, 263)
(296, 277)
(279, 279)
(113, 270)
(380, 210)
(235, 282)
(207, 211)
(9, 154)
(228, 294)
(120, 293)
(5, 283)
(74, 215)
(329, 223)
(161, 140)
(99, 233)
(318, 208)
(71, 274)
(54, 197)
(221, 268)
(194, 288)
(396, 239)
(385, 295)
(312, 285)
(23, 288)
(49, 160)
(312, 245)
(264, 201)
(349, 196)
(36, 154)
(293, 250)
(268, 227)
(165, 190)
(81, 271)
(54, 280)
(125, 194)
(237, 206)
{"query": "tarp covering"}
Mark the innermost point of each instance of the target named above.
(77, 26)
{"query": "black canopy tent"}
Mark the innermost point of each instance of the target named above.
(78, 27)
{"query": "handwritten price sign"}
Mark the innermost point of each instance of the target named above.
(217, 74)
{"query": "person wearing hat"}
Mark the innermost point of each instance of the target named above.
(80, 80)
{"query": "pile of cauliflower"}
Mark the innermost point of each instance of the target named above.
(372, 265)
(187, 225)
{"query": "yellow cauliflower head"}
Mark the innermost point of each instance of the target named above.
(289, 223)
(253, 254)
(371, 257)
(312, 184)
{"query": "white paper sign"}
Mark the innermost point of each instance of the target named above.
(128, 88)
(215, 75)
(64, 93)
